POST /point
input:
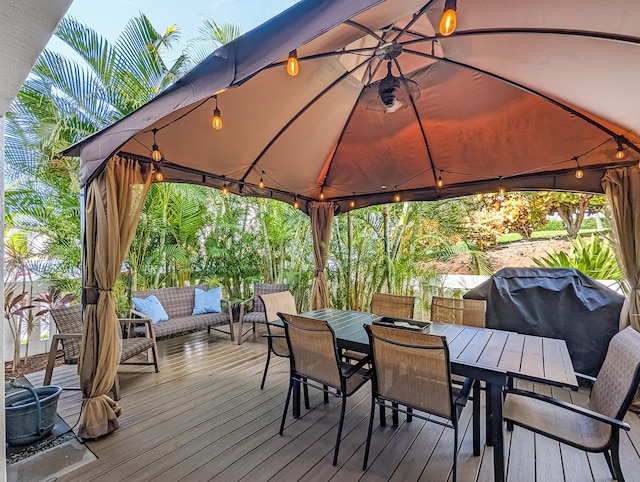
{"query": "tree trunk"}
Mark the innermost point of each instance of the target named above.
(348, 277)
(387, 247)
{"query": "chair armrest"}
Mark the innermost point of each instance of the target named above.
(243, 308)
(573, 408)
(139, 321)
(585, 377)
(138, 314)
(67, 336)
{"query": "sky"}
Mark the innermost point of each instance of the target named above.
(109, 18)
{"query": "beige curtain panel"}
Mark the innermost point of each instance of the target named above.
(622, 187)
(321, 222)
(113, 204)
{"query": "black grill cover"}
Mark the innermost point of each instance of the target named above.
(556, 303)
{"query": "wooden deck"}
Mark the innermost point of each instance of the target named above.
(204, 417)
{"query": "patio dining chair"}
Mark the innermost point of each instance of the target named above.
(283, 302)
(252, 310)
(413, 369)
(460, 311)
(596, 426)
(315, 362)
(383, 304)
(69, 324)
(400, 306)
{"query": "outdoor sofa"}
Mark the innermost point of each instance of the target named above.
(179, 306)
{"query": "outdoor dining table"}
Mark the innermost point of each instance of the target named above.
(479, 353)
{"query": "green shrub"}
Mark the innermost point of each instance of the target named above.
(595, 258)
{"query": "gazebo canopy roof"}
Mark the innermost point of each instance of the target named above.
(520, 95)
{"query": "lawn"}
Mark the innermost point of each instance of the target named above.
(513, 237)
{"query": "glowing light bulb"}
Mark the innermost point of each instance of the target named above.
(217, 120)
(396, 197)
(225, 189)
(295, 202)
(156, 154)
(159, 176)
(579, 173)
(292, 63)
(448, 21)
(440, 182)
(321, 195)
(352, 203)
(502, 190)
(620, 153)
(261, 183)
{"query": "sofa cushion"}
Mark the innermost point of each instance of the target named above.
(190, 323)
(151, 307)
(207, 301)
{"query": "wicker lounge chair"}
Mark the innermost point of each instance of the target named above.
(314, 358)
(252, 310)
(69, 324)
(277, 342)
(413, 369)
(596, 427)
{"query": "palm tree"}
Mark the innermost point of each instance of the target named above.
(62, 102)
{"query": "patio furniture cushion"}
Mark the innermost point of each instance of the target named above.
(186, 324)
(151, 306)
(207, 301)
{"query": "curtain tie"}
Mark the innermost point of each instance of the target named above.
(90, 295)
(317, 272)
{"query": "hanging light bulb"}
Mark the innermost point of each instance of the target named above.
(261, 183)
(620, 152)
(321, 196)
(579, 171)
(225, 188)
(448, 21)
(440, 182)
(156, 155)
(295, 201)
(216, 122)
(292, 63)
(396, 196)
(353, 201)
(501, 189)
(159, 176)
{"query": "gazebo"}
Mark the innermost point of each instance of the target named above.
(335, 105)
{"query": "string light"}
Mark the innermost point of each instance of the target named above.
(353, 201)
(159, 176)
(295, 201)
(155, 152)
(396, 196)
(321, 194)
(225, 188)
(292, 63)
(620, 152)
(501, 189)
(579, 171)
(449, 21)
(216, 122)
(440, 182)
(261, 183)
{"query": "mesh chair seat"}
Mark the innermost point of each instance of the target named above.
(558, 422)
(134, 346)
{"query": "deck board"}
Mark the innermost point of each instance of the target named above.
(204, 417)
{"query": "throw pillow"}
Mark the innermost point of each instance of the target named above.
(207, 301)
(151, 307)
